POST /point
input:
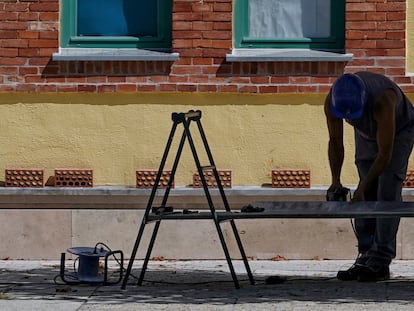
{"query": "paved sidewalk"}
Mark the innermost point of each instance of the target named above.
(207, 285)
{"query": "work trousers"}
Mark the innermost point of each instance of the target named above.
(377, 236)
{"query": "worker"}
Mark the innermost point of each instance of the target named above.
(383, 121)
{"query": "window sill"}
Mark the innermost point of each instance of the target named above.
(286, 55)
(89, 54)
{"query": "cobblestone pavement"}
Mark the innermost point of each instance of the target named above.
(206, 285)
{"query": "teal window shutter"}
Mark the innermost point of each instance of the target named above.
(116, 24)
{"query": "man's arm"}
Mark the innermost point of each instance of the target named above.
(384, 115)
(335, 146)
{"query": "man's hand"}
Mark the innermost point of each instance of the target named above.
(337, 194)
(358, 195)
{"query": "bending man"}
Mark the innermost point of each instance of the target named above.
(383, 121)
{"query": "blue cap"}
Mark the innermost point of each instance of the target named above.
(348, 97)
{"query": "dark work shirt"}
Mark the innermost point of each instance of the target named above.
(376, 84)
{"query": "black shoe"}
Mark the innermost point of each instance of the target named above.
(351, 274)
(374, 274)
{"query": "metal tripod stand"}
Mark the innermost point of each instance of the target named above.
(186, 119)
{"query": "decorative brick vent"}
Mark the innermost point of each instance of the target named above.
(409, 180)
(145, 178)
(24, 177)
(73, 177)
(224, 175)
(291, 178)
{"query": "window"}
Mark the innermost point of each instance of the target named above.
(310, 24)
(139, 24)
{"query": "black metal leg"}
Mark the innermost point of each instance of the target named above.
(227, 254)
(242, 252)
(149, 250)
(133, 254)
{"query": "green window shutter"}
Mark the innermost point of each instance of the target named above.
(243, 38)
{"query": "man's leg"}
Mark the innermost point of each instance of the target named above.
(383, 249)
(365, 227)
(365, 153)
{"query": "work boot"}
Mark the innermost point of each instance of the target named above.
(351, 274)
(373, 274)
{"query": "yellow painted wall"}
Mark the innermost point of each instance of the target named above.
(115, 134)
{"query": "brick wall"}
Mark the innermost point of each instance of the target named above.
(375, 34)
(202, 34)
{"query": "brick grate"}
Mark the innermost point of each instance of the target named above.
(73, 177)
(409, 179)
(145, 178)
(224, 175)
(24, 177)
(291, 178)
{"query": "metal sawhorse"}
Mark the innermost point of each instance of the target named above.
(186, 119)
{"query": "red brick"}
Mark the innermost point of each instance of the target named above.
(44, 7)
(146, 88)
(227, 88)
(9, 16)
(50, 88)
(248, 89)
(375, 16)
(222, 7)
(87, 88)
(202, 43)
(16, 7)
(208, 88)
(186, 87)
(363, 25)
(28, 34)
(8, 34)
(201, 7)
(28, 16)
(187, 16)
(391, 6)
(217, 35)
(388, 25)
(201, 25)
(217, 16)
(182, 7)
(182, 25)
(28, 52)
(9, 52)
(12, 61)
(168, 87)
(390, 44)
(186, 35)
(360, 7)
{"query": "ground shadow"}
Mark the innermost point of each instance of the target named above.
(202, 287)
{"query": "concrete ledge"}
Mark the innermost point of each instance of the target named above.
(178, 190)
(286, 55)
(34, 226)
(89, 54)
(118, 197)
